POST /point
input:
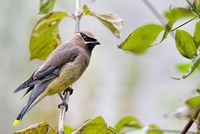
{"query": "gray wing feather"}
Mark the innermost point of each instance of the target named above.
(38, 90)
(49, 70)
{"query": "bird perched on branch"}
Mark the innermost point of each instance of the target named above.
(59, 71)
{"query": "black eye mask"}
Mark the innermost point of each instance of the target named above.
(87, 38)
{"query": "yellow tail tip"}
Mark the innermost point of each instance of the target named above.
(16, 122)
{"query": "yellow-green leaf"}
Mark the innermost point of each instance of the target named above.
(185, 44)
(196, 36)
(67, 130)
(154, 129)
(193, 105)
(94, 126)
(112, 21)
(46, 6)
(194, 65)
(39, 128)
(179, 12)
(141, 39)
(173, 15)
(194, 102)
(45, 37)
(128, 121)
(183, 67)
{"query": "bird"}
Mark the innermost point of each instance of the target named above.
(64, 66)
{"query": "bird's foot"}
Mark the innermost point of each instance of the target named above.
(64, 103)
(68, 89)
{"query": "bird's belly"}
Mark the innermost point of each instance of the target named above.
(68, 75)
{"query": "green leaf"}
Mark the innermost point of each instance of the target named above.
(185, 44)
(46, 6)
(39, 128)
(179, 12)
(128, 121)
(183, 67)
(94, 126)
(148, 129)
(112, 21)
(194, 102)
(194, 65)
(173, 15)
(67, 130)
(168, 28)
(196, 3)
(198, 8)
(196, 36)
(154, 129)
(141, 39)
(45, 38)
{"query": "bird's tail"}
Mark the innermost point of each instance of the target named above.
(35, 97)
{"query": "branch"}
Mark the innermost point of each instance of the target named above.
(154, 11)
(190, 122)
(62, 113)
(77, 15)
(67, 93)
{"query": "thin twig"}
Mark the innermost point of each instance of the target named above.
(158, 16)
(190, 122)
(193, 8)
(67, 93)
(62, 114)
(158, 130)
(168, 131)
(77, 15)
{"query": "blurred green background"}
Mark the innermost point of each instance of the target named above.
(116, 83)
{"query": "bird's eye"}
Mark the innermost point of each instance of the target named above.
(87, 38)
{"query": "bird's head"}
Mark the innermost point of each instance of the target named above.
(86, 39)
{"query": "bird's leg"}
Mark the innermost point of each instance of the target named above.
(64, 103)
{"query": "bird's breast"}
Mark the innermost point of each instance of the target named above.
(69, 74)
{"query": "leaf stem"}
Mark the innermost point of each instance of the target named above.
(184, 23)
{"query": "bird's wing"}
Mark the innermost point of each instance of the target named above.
(51, 68)
(56, 60)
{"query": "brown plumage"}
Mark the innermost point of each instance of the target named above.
(61, 69)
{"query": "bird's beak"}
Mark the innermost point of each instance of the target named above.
(93, 42)
(97, 43)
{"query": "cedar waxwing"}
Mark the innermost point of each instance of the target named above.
(59, 71)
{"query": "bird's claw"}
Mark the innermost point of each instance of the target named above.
(64, 103)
